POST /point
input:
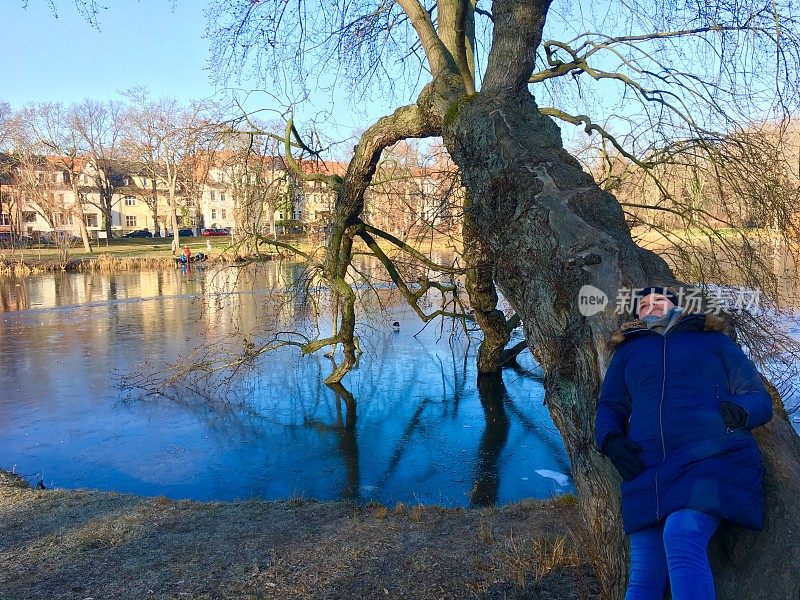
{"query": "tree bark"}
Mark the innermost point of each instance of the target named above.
(108, 217)
(78, 206)
(539, 215)
(483, 298)
(752, 564)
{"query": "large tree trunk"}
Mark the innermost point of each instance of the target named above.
(87, 246)
(545, 229)
(108, 208)
(173, 215)
(550, 230)
(483, 298)
(753, 564)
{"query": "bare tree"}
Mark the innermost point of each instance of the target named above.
(540, 226)
(6, 166)
(57, 131)
(36, 186)
(171, 145)
(99, 124)
(259, 183)
(139, 144)
(6, 115)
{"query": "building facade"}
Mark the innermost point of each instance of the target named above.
(243, 193)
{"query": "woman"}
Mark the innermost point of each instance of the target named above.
(674, 415)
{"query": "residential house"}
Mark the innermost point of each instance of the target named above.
(316, 200)
(45, 200)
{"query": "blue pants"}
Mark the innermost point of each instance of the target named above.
(678, 548)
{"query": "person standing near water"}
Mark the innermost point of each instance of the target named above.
(174, 246)
(674, 416)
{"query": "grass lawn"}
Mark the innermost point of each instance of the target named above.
(85, 544)
(133, 248)
(153, 248)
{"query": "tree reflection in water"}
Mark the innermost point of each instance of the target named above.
(410, 425)
(345, 430)
(493, 397)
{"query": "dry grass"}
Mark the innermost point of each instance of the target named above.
(108, 263)
(79, 544)
(19, 268)
(104, 263)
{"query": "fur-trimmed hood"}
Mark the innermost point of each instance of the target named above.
(705, 322)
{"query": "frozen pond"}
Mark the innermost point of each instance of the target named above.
(411, 425)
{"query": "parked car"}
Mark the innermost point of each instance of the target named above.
(139, 233)
(59, 237)
(186, 232)
(211, 231)
(12, 240)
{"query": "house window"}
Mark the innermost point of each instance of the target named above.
(144, 181)
(280, 216)
(5, 219)
(213, 196)
(213, 214)
(224, 214)
(65, 174)
(130, 201)
(84, 179)
(29, 217)
(130, 220)
(82, 196)
(54, 177)
(61, 198)
(222, 198)
(61, 219)
(90, 219)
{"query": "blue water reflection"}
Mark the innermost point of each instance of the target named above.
(411, 425)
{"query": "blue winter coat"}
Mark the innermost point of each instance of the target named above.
(663, 391)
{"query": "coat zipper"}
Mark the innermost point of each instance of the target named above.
(661, 422)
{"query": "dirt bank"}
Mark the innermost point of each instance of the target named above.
(84, 544)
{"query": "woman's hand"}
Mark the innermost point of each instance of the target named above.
(625, 455)
(735, 416)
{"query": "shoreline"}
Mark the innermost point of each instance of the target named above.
(105, 263)
(84, 543)
(156, 253)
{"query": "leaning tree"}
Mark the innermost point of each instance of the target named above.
(492, 82)
(657, 81)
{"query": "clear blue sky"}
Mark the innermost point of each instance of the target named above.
(140, 42)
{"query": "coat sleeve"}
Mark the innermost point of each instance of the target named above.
(744, 383)
(614, 403)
